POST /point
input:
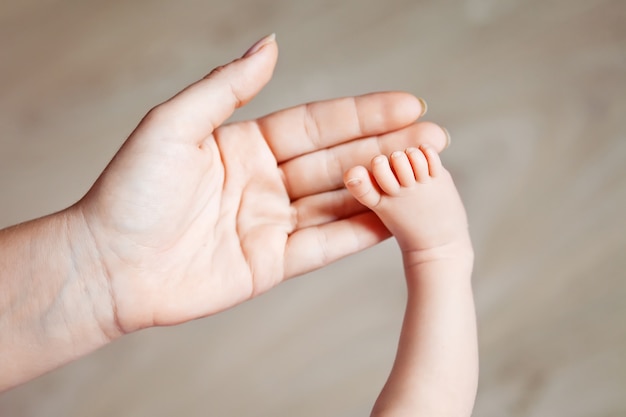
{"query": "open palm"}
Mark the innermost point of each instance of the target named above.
(191, 217)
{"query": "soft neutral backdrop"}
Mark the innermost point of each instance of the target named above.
(534, 95)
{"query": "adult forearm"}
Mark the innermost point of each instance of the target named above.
(54, 301)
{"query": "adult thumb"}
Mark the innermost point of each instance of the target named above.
(203, 106)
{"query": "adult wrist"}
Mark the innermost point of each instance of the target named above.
(54, 301)
(92, 274)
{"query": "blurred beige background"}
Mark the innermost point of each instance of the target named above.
(534, 95)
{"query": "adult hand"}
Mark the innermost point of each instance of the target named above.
(192, 217)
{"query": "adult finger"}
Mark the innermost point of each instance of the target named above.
(309, 127)
(195, 112)
(314, 247)
(318, 209)
(323, 170)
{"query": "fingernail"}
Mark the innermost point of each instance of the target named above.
(259, 45)
(353, 182)
(448, 139)
(424, 106)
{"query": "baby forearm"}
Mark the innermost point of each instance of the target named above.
(436, 368)
(53, 304)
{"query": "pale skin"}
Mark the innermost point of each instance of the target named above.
(192, 217)
(436, 368)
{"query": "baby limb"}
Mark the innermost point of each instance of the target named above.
(435, 372)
